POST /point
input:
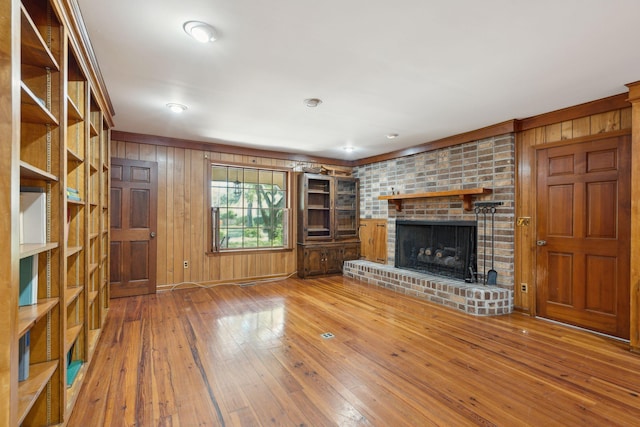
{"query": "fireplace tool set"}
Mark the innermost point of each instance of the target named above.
(488, 277)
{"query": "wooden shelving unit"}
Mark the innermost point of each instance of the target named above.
(466, 195)
(58, 123)
(328, 217)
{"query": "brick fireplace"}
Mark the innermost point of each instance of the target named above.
(487, 163)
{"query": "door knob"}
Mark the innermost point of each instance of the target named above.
(541, 243)
(153, 234)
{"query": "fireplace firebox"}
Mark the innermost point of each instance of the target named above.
(443, 248)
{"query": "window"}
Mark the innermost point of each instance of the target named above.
(249, 207)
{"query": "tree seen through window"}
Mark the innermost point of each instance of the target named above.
(252, 206)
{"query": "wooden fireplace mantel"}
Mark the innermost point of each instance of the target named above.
(464, 194)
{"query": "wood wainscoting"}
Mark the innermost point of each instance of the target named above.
(255, 355)
(183, 221)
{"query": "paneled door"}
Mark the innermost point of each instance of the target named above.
(583, 227)
(134, 189)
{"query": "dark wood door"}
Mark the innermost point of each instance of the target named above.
(333, 257)
(134, 189)
(583, 227)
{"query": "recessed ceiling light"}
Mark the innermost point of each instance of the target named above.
(312, 102)
(176, 108)
(201, 31)
(392, 136)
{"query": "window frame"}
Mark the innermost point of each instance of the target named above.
(212, 232)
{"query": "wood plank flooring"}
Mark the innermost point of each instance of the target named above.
(254, 356)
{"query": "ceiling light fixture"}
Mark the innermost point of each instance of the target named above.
(349, 149)
(312, 102)
(200, 31)
(176, 108)
(392, 136)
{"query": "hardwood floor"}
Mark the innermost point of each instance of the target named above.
(254, 355)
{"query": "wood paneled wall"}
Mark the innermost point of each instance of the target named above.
(183, 215)
(617, 120)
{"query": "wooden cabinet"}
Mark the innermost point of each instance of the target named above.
(373, 240)
(56, 122)
(325, 259)
(328, 219)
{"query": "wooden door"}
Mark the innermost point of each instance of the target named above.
(134, 189)
(583, 227)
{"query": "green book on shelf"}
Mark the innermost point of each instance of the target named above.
(72, 371)
(28, 281)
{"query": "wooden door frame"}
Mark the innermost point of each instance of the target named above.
(525, 255)
(634, 98)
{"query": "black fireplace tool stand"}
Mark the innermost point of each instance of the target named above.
(488, 277)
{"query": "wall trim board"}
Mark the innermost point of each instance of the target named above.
(221, 147)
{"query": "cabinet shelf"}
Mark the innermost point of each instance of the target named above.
(464, 194)
(33, 110)
(29, 171)
(29, 390)
(92, 268)
(318, 230)
(72, 250)
(71, 336)
(92, 297)
(28, 315)
(29, 249)
(73, 156)
(71, 293)
(75, 202)
(32, 47)
(73, 113)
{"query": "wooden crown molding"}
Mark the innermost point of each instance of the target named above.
(634, 91)
(82, 44)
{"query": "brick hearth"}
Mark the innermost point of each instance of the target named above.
(470, 298)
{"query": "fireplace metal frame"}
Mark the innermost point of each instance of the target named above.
(429, 265)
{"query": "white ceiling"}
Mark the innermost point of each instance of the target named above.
(424, 69)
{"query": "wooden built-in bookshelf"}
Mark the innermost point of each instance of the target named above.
(57, 127)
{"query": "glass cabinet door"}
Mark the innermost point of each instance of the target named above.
(346, 208)
(318, 204)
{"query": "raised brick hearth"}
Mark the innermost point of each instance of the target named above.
(470, 298)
